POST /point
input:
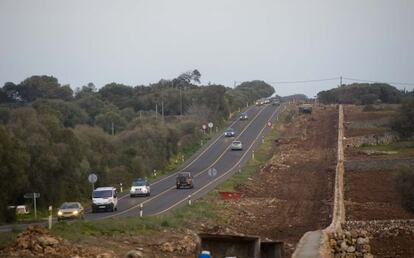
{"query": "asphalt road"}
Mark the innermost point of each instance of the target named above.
(215, 154)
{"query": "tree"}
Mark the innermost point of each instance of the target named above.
(403, 122)
(14, 163)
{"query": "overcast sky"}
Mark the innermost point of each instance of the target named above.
(137, 42)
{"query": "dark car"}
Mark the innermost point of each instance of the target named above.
(229, 132)
(243, 116)
(184, 179)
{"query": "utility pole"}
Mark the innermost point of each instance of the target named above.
(234, 84)
(156, 110)
(181, 103)
(162, 110)
(340, 81)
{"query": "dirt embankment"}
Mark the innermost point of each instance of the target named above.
(293, 193)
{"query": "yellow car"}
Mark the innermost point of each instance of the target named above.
(70, 210)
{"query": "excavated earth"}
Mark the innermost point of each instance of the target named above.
(293, 192)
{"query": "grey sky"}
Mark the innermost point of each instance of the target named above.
(137, 42)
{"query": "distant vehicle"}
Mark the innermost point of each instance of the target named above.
(140, 187)
(229, 132)
(70, 210)
(266, 101)
(276, 103)
(260, 102)
(184, 179)
(243, 116)
(305, 108)
(104, 198)
(236, 145)
(22, 209)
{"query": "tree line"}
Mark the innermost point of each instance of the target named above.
(52, 137)
(363, 94)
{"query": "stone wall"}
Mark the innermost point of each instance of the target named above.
(371, 139)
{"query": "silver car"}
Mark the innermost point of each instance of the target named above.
(236, 145)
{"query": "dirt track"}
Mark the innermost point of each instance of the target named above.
(293, 193)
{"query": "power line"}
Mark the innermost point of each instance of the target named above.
(371, 81)
(305, 81)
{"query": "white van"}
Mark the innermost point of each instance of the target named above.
(104, 198)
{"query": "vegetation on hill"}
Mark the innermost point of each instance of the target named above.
(362, 94)
(52, 137)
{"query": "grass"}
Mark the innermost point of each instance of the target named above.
(180, 218)
(403, 148)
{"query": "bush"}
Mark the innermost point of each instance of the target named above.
(403, 121)
(405, 185)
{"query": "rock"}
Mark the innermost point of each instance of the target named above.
(48, 241)
(134, 254)
(37, 248)
(105, 255)
(167, 247)
(361, 241)
(350, 249)
(332, 243)
(366, 248)
(344, 246)
(49, 250)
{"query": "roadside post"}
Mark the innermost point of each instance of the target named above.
(92, 178)
(33, 196)
(240, 169)
(204, 127)
(141, 210)
(189, 199)
(252, 154)
(50, 216)
(120, 187)
(210, 126)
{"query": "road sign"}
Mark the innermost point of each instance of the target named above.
(31, 195)
(92, 178)
(210, 125)
(269, 124)
(212, 172)
(204, 127)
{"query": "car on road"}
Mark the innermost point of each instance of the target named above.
(236, 145)
(140, 187)
(229, 132)
(22, 209)
(184, 179)
(243, 116)
(104, 198)
(70, 210)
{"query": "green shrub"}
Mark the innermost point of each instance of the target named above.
(405, 185)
